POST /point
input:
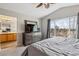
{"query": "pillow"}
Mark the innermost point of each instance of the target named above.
(58, 39)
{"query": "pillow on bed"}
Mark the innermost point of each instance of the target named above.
(51, 41)
(57, 39)
(69, 41)
(72, 40)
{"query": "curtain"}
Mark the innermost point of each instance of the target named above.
(48, 29)
(78, 27)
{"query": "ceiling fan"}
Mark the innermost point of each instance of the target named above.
(46, 5)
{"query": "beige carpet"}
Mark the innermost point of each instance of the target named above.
(8, 45)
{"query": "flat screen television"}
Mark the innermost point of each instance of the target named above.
(29, 28)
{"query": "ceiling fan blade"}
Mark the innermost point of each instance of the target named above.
(39, 5)
(46, 5)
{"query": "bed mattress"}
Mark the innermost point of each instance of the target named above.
(56, 46)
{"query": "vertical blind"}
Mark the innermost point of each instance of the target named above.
(65, 27)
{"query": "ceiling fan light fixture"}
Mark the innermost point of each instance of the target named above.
(39, 5)
(46, 5)
(43, 5)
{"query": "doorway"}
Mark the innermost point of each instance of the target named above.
(8, 32)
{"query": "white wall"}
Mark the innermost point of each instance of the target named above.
(59, 13)
(14, 25)
(20, 22)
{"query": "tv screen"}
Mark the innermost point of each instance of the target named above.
(29, 28)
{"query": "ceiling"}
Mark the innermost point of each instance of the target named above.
(30, 10)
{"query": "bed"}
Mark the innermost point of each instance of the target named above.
(56, 46)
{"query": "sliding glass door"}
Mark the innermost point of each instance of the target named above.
(65, 27)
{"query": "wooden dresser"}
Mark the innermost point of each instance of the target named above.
(29, 38)
(6, 37)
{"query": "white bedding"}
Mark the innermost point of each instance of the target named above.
(58, 46)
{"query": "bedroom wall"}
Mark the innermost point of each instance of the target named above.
(20, 22)
(60, 13)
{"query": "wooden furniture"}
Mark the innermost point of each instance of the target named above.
(11, 37)
(6, 37)
(3, 37)
(29, 38)
(31, 34)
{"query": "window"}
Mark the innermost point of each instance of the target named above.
(65, 27)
